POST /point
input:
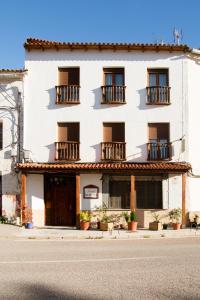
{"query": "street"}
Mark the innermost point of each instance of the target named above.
(99, 269)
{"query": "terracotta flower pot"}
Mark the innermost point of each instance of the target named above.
(176, 226)
(132, 226)
(84, 225)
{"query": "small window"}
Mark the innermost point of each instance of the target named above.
(158, 77)
(119, 195)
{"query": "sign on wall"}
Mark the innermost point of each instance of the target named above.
(91, 192)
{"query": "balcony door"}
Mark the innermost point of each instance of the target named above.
(159, 146)
(67, 146)
(113, 89)
(68, 85)
(113, 146)
(158, 90)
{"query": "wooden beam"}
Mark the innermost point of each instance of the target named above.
(184, 176)
(77, 200)
(23, 196)
(132, 195)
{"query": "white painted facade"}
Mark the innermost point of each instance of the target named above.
(40, 101)
(41, 116)
(11, 91)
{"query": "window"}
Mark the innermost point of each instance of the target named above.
(67, 146)
(116, 191)
(158, 90)
(1, 135)
(158, 77)
(68, 87)
(113, 146)
(159, 147)
(113, 90)
(149, 192)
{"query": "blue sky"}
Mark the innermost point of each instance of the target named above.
(94, 21)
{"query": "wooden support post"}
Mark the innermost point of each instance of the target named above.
(132, 195)
(184, 176)
(78, 200)
(23, 196)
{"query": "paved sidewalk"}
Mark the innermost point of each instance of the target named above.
(10, 231)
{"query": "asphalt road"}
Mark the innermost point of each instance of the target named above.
(98, 269)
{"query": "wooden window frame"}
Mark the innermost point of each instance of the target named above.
(157, 72)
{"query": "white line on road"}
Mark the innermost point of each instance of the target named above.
(79, 260)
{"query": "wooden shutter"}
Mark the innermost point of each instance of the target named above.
(107, 132)
(62, 132)
(63, 76)
(153, 135)
(1, 135)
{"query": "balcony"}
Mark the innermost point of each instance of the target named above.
(113, 94)
(67, 94)
(113, 151)
(158, 95)
(159, 151)
(67, 151)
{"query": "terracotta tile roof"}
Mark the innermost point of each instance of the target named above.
(32, 43)
(12, 70)
(159, 166)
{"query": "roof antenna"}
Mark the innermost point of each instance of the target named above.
(178, 36)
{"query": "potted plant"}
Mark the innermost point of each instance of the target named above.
(175, 216)
(125, 215)
(107, 222)
(85, 220)
(165, 226)
(27, 217)
(132, 224)
(156, 224)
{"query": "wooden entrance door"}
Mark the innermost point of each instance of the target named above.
(60, 200)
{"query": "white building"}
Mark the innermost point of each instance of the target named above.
(11, 108)
(109, 123)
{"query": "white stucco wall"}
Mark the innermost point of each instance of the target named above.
(175, 191)
(11, 90)
(40, 101)
(35, 197)
(193, 131)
